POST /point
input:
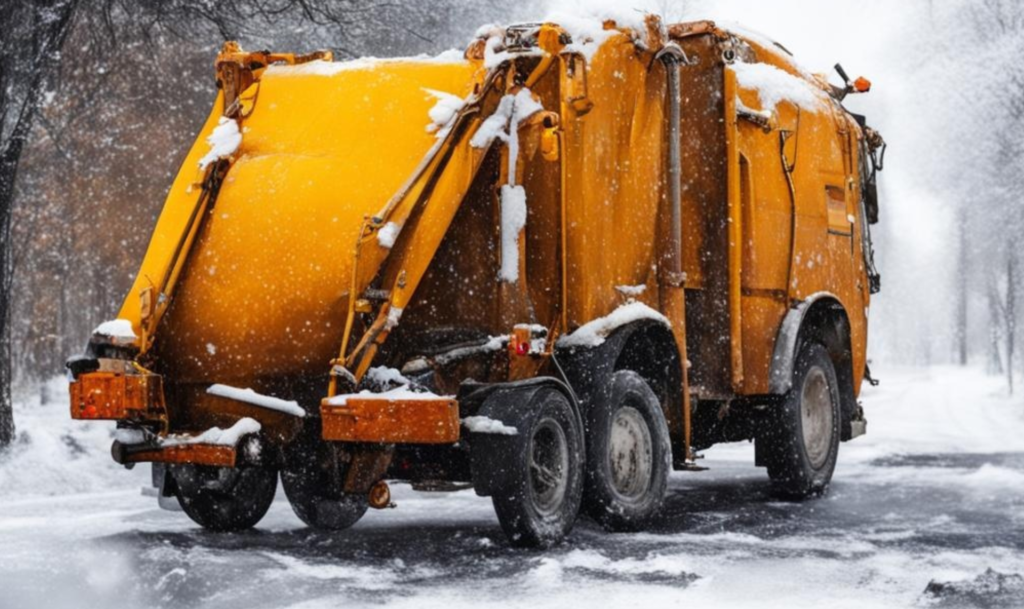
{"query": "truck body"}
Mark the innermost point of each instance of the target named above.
(586, 254)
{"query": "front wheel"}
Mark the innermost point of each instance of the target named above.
(802, 440)
(225, 498)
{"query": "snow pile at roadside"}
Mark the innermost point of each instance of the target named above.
(55, 455)
(593, 333)
(990, 589)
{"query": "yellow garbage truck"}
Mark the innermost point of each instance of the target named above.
(551, 268)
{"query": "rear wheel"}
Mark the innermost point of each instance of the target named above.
(802, 442)
(225, 498)
(313, 478)
(536, 474)
(629, 456)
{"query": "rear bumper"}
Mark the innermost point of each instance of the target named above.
(199, 454)
(391, 421)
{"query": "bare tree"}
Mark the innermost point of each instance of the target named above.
(1010, 311)
(995, 360)
(34, 32)
(962, 289)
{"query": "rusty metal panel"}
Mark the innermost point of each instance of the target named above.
(428, 421)
(198, 454)
(112, 396)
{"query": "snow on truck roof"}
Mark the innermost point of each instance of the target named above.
(320, 67)
(779, 76)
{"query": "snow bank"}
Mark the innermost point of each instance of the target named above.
(594, 333)
(488, 425)
(774, 85)
(402, 392)
(53, 454)
(117, 329)
(224, 141)
(251, 397)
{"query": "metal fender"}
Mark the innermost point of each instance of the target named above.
(780, 377)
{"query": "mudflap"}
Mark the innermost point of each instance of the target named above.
(163, 484)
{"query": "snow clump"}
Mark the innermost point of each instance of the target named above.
(224, 141)
(774, 85)
(249, 396)
(594, 333)
(480, 424)
(387, 235)
(117, 329)
(442, 114)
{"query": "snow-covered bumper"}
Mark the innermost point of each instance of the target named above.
(379, 418)
(118, 390)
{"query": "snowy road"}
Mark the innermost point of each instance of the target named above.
(934, 492)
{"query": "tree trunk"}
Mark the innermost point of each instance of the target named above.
(961, 290)
(995, 361)
(1011, 313)
(34, 33)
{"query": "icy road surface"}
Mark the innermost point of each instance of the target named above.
(933, 493)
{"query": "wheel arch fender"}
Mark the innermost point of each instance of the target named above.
(646, 347)
(490, 400)
(823, 318)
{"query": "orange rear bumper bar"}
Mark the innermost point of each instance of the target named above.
(398, 421)
(199, 454)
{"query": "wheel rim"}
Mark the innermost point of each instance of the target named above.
(816, 417)
(549, 466)
(630, 453)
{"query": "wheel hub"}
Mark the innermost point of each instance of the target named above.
(630, 451)
(816, 417)
(549, 466)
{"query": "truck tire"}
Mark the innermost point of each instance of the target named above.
(313, 490)
(536, 475)
(629, 455)
(225, 498)
(803, 438)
